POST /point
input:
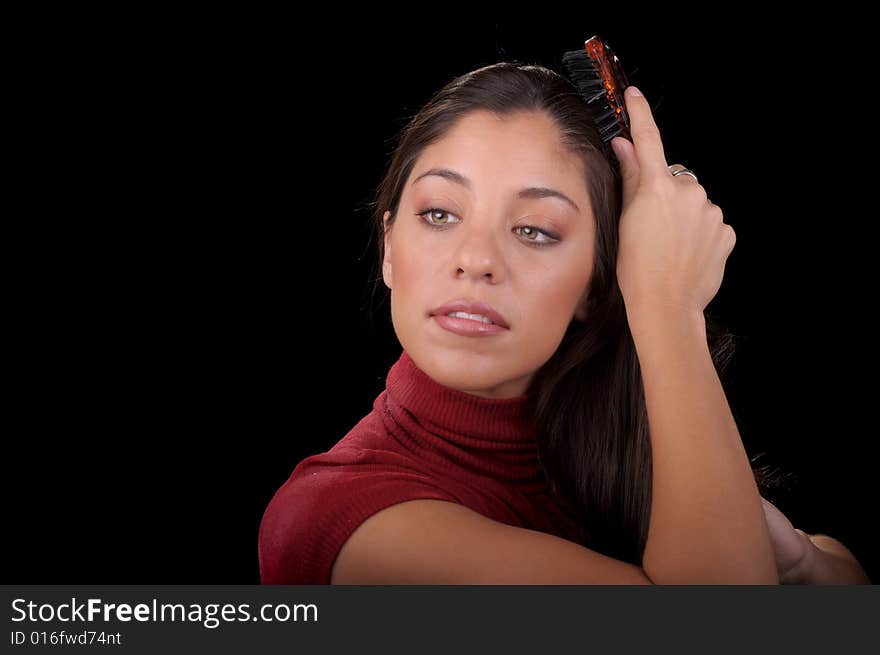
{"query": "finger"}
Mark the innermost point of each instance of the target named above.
(789, 548)
(629, 166)
(645, 134)
(688, 179)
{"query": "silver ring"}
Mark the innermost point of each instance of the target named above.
(678, 169)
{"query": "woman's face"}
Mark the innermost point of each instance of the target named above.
(481, 242)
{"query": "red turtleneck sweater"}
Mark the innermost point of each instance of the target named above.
(421, 440)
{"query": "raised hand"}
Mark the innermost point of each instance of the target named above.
(673, 241)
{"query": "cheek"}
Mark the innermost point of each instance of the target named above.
(411, 276)
(555, 294)
(552, 297)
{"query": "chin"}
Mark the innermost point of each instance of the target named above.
(481, 374)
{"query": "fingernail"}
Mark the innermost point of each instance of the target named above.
(633, 91)
(618, 148)
(615, 146)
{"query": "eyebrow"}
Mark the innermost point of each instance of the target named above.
(529, 192)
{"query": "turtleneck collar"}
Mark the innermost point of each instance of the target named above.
(489, 436)
(446, 409)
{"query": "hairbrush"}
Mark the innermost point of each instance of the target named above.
(598, 77)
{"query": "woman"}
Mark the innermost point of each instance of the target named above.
(556, 416)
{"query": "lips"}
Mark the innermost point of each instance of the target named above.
(471, 307)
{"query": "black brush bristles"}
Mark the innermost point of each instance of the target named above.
(596, 74)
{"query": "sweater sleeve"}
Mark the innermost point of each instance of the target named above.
(322, 503)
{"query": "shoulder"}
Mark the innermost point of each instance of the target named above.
(325, 499)
(437, 542)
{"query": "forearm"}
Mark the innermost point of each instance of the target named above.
(707, 525)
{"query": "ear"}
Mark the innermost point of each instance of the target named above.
(386, 261)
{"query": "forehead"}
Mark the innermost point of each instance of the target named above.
(523, 144)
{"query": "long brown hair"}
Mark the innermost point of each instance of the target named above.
(590, 411)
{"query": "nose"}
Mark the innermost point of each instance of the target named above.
(478, 256)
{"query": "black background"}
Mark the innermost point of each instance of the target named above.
(190, 278)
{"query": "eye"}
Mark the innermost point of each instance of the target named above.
(528, 229)
(432, 212)
(532, 233)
